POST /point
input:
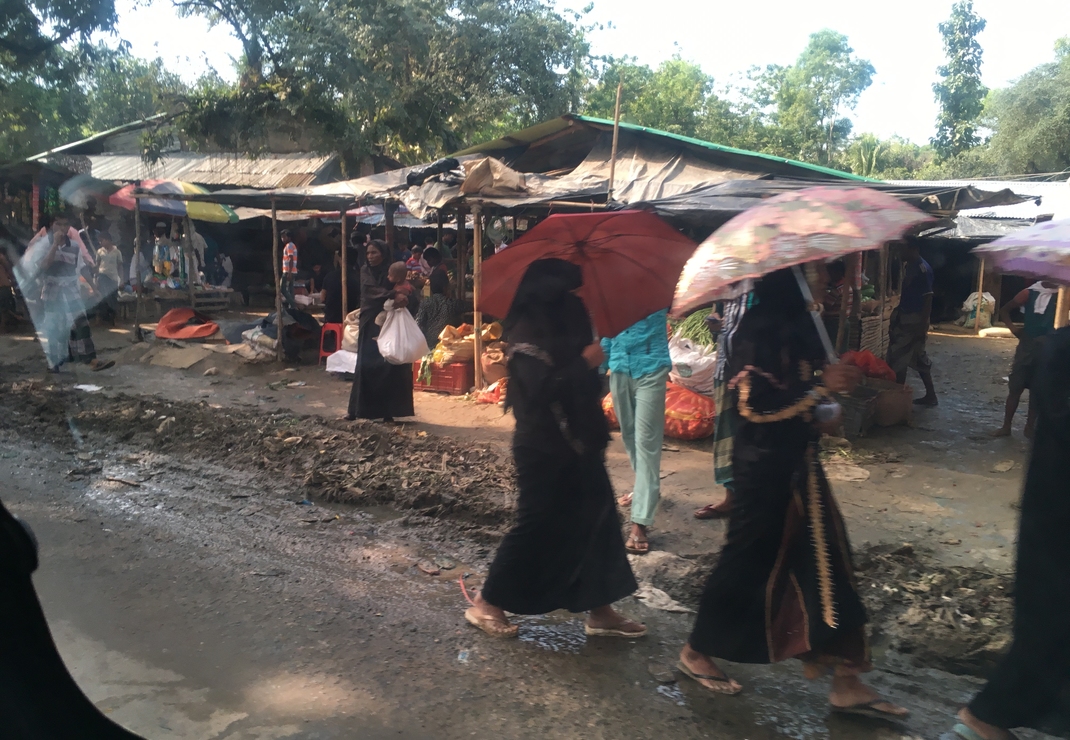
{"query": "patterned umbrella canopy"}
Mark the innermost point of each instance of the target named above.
(1041, 251)
(816, 223)
(213, 212)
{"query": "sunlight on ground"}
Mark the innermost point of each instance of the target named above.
(309, 696)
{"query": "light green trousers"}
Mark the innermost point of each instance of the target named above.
(640, 407)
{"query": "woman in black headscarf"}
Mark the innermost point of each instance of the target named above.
(784, 585)
(566, 550)
(380, 390)
(1029, 686)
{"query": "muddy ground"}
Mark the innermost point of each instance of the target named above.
(254, 563)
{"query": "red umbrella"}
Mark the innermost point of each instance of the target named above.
(631, 261)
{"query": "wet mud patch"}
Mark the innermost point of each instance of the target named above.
(331, 460)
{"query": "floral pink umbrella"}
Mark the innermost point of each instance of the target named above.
(818, 223)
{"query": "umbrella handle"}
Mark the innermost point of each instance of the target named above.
(804, 288)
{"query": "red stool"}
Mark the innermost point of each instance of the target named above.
(335, 329)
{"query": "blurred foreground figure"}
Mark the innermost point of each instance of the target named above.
(784, 586)
(38, 698)
(566, 550)
(1026, 687)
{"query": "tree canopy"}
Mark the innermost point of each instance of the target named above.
(959, 92)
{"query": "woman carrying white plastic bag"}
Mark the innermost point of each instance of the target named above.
(400, 340)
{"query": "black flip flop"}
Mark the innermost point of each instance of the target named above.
(869, 710)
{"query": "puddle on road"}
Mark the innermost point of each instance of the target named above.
(553, 633)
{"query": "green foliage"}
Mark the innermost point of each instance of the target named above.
(33, 32)
(675, 97)
(959, 92)
(1030, 119)
(889, 159)
(409, 78)
(812, 96)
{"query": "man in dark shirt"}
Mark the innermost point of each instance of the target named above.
(910, 324)
(332, 289)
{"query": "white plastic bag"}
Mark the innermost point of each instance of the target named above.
(401, 342)
(969, 311)
(693, 365)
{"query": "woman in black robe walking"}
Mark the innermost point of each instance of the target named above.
(380, 390)
(1029, 686)
(566, 550)
(784, 585)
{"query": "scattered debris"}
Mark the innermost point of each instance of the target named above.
(429, 568)
(661, 673)
(845, 473)
(445, 563)
(1003, 467)
(88, 388)
(655, 598)
(211, 371)
(124, 481)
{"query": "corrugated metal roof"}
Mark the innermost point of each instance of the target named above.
(220, 170)
(1049, 198)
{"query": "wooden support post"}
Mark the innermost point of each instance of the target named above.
(278, 279)
(345, 274)
(388, 225)
(462, 251)
(980, 292)
(477, 276)
(139, 286)
(616, 137)
(187, 252)
(1062, 307)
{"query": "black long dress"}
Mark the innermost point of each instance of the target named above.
(380, 390)
(784, 586)
(1028, 687)
(566, 550)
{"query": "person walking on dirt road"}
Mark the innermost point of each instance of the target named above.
(910, 325)
(1037, 304)
(784, 584)
(566, 550)
(639, 363)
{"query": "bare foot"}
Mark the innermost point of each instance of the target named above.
(706, 672)
(605, 620)
(625, 500)
(849, 692)
(715, 511)
(985, 730)
(1001, 432)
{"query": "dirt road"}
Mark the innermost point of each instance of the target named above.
(196, 594)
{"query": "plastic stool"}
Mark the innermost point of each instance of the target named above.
(336, 330)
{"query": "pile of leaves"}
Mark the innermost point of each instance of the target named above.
(955, 618)
(333, 460)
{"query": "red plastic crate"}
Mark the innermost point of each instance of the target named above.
(455, 379)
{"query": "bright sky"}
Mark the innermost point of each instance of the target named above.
(726, 38)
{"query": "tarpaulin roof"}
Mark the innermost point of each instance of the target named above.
(726, 199)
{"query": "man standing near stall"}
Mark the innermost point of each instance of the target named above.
(109, 276)
(289, 268)
(910, 325)
(1037, 304)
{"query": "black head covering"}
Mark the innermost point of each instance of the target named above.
(778, 332)
(546, 312)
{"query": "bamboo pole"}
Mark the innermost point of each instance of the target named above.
(388, 224)
(616, 137)
(345, 273)
(980, 292)
(462, 250)
(278, 279)
(1062, 307)
(477, 276)
(137, 270)
(187, 249)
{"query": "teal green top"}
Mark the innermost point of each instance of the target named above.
(1038, 324)
(641, 349)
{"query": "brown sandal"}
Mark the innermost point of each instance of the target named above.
(493, 626)
(637, 547)
(713, 511)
